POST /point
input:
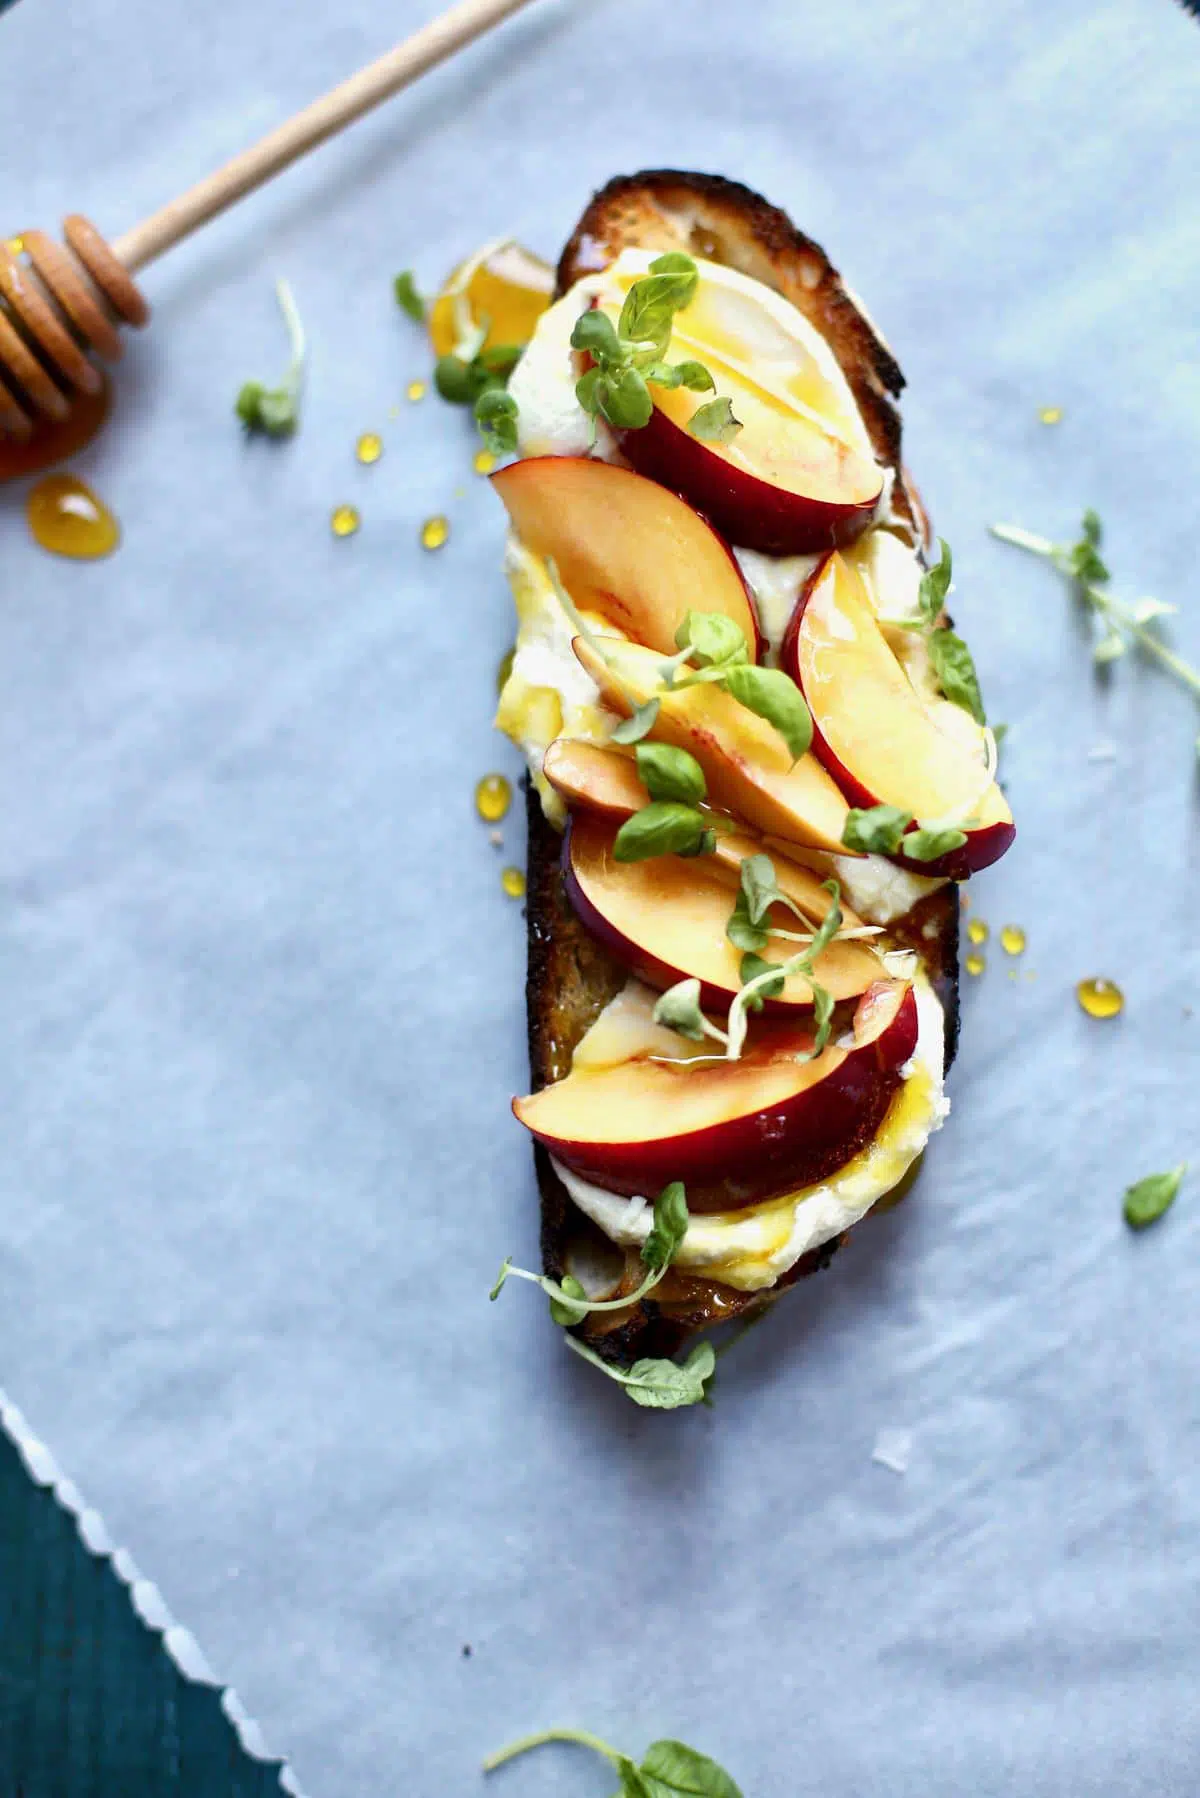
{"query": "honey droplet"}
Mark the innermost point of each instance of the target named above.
(493, 796)
(14, 245)
(505, 668)
(484, 461)
(510, 289)
(975, 964)
(369, 447)
(416, 390)
(344, 521)
(1051, 415)
(1012, 940)
(1100, 998)
(977, 930)
(67, 518)
(434, 532)
(513, 882)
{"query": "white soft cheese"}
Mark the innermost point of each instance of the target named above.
(751, 1249)
(775, 583)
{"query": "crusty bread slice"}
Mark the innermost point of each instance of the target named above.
(570, 976)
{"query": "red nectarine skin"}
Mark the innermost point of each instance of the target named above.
(746, 509)
(742, 1160)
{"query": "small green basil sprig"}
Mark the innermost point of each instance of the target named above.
(1146, 1200)
(628, 358)
(952, 661)
(713, 651)
(1123, 625)
(673, 823)
(750, 930)
(668, 1769)
(884, 830)
(275, 411)
(660, 1385)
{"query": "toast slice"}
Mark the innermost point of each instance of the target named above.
(571, 977)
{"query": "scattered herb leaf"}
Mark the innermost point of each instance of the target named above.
(638, 725)
(714, 422)
(664, 827)
(876, 830)
(407, 298)
(496, 416)
(669, 1769)
(275, 411)
(1147, 1199)
(669, 774)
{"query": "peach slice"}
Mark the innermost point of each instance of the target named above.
(625, 547)
(666, 920)
(800, 475)
(765, 1124)
(874, 732)
(606, 781)
(745, 761)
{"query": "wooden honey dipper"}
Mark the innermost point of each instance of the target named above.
(60, 306)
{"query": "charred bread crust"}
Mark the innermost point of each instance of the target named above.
(723, 221)
(570, 977)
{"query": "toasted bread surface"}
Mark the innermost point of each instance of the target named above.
(570, 976)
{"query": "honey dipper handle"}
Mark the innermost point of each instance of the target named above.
(323, 119)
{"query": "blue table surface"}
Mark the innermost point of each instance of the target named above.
(262, 994)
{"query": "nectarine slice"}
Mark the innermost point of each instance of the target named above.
(801, 474)
(625, 547)
(745, 761)
(666, 920)
(874, 732)
(734, 1131)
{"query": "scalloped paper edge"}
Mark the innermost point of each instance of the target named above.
(144, 1595)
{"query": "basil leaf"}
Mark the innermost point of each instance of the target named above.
(632, 1783)
(668, 773)
(673, 1770)
(712, 638)
(935, 584)
(596, 334)
(496, 416)
(927, 845)
(742, 932)
(624, 399)
(773, 695)
(676, 262)
(500, 358)
(751, 968)
(407, 298)
(454, 380)
(1146, 1201)
(955, 668)
(662, 828)
(651, 303)
(666, 1385)
(1092, 528)
(877, 830)
(569, 1314)
(661, 374)
(632, 730)
(759, 885)
(670, 1226)
(678, 1009)
(587, 390)
(695, 377)
(714, 423)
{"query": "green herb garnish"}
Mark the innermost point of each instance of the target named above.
(668, 1769)
(668, 773)
(656, 1384)
(665, 827)
(951, 660)
(627, 358)
(1146, 1201)
(496, 416)
(407, 298)
(1120, 624)
(275, 411)
(750, 930)
(884, 830)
